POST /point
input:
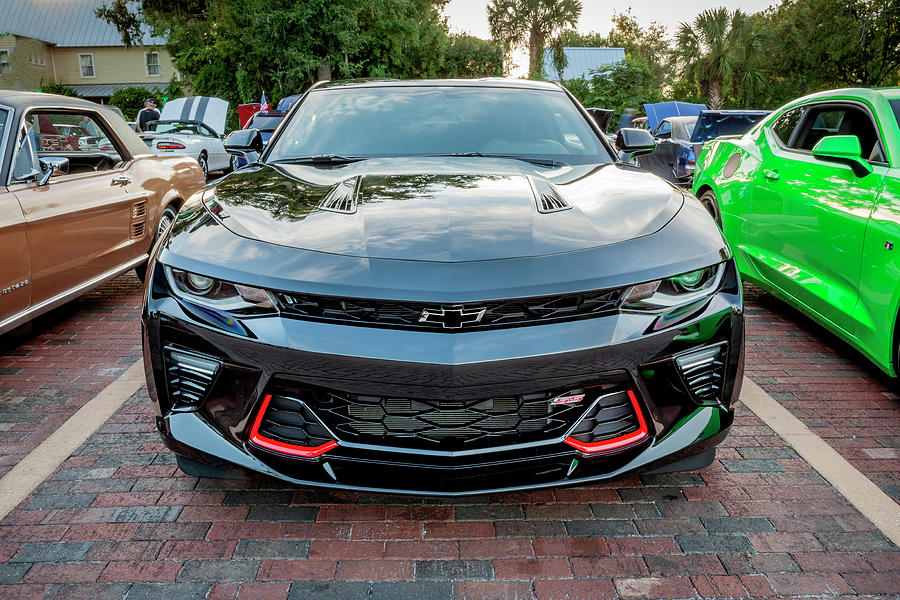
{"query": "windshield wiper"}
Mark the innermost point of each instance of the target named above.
(321, 159)
(543, 162)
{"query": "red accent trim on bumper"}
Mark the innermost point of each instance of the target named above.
(291, 449)
(616, 443)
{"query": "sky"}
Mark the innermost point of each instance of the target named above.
(470, 16)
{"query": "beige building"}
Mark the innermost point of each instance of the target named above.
(62, 41)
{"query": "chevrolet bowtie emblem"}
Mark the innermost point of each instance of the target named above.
(452, 318)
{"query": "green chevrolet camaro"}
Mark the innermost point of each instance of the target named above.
(809, 200)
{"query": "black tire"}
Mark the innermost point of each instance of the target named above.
(165, 221)
(711, 204)
(204, 165)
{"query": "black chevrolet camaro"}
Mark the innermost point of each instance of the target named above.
(441, 287)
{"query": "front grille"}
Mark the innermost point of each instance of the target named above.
(453, 425)
(189, 376)
(412, 315)
(704, 372)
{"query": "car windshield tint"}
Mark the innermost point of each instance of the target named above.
(712, 126)
(415, 121)
(895, 105)
(265, 123)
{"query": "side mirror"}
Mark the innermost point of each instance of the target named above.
(245, 142)
(635, 141)
(52, 165)
(844, 149)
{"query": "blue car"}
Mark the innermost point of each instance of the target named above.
(267, 122)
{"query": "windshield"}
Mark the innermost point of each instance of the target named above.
(715, 125)
(175, 127)
(415, 121)
(265, 123)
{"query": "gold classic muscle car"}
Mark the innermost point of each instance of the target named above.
(74, 216)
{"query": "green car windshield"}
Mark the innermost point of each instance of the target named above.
(434, 120)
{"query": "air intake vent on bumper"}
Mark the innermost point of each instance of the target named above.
(189, 376)
(703, 372)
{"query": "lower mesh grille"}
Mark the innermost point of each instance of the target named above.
(189, 376)
(289, 421)
(612, 416)
(452, 425)
(704, 372)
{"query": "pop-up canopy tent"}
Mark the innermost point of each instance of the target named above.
(663, 110)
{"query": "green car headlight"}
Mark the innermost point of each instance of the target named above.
(219, 295)
(665, 294)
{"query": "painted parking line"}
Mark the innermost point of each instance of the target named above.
(40, 463)
(858, 489)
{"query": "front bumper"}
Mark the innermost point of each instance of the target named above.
(270, 351)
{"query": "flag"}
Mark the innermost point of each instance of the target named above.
(263, 105)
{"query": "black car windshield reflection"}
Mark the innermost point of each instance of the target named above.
(446, 121)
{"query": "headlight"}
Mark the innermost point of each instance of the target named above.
(663, 294)
(219, 295)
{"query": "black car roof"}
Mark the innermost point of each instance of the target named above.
(493, 82)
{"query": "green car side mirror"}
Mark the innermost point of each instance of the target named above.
(843, 149)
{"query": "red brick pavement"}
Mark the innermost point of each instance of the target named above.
(62, 360)
(828, 385)
(117, 520)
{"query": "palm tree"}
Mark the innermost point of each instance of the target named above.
(513, 22)
(718, 50)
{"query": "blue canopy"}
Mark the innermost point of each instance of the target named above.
(287, 102)
(663, 110)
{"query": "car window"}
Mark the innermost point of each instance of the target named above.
(822, 121)
(76, 136)
(664, 129)
(895, 106)
(784, 125)
(415, 121)
(207, 132)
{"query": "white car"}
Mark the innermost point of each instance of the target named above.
(192, 126)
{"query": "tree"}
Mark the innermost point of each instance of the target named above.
(720, 49)
(629, 83)
(237, 49)
(469, 56)
(516, 22)
(59, 88)
(649, 44)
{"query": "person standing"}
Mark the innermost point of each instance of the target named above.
(147, 114)
(626, 119)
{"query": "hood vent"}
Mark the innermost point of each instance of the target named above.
(546, 195)
(342, 197)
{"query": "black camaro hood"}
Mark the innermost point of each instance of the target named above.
(444, 210)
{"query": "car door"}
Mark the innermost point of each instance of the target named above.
(82, 224)
(218, 157)
(809, 216)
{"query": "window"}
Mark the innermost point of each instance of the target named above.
(152, 64)
(785, 124)
(825, 120)
(4, 59)
(76, 136)
(36, 57)
(86, 64)
(664, 130)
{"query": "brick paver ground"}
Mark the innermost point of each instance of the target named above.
(118, 520)
(828, 385)
(62, 360)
